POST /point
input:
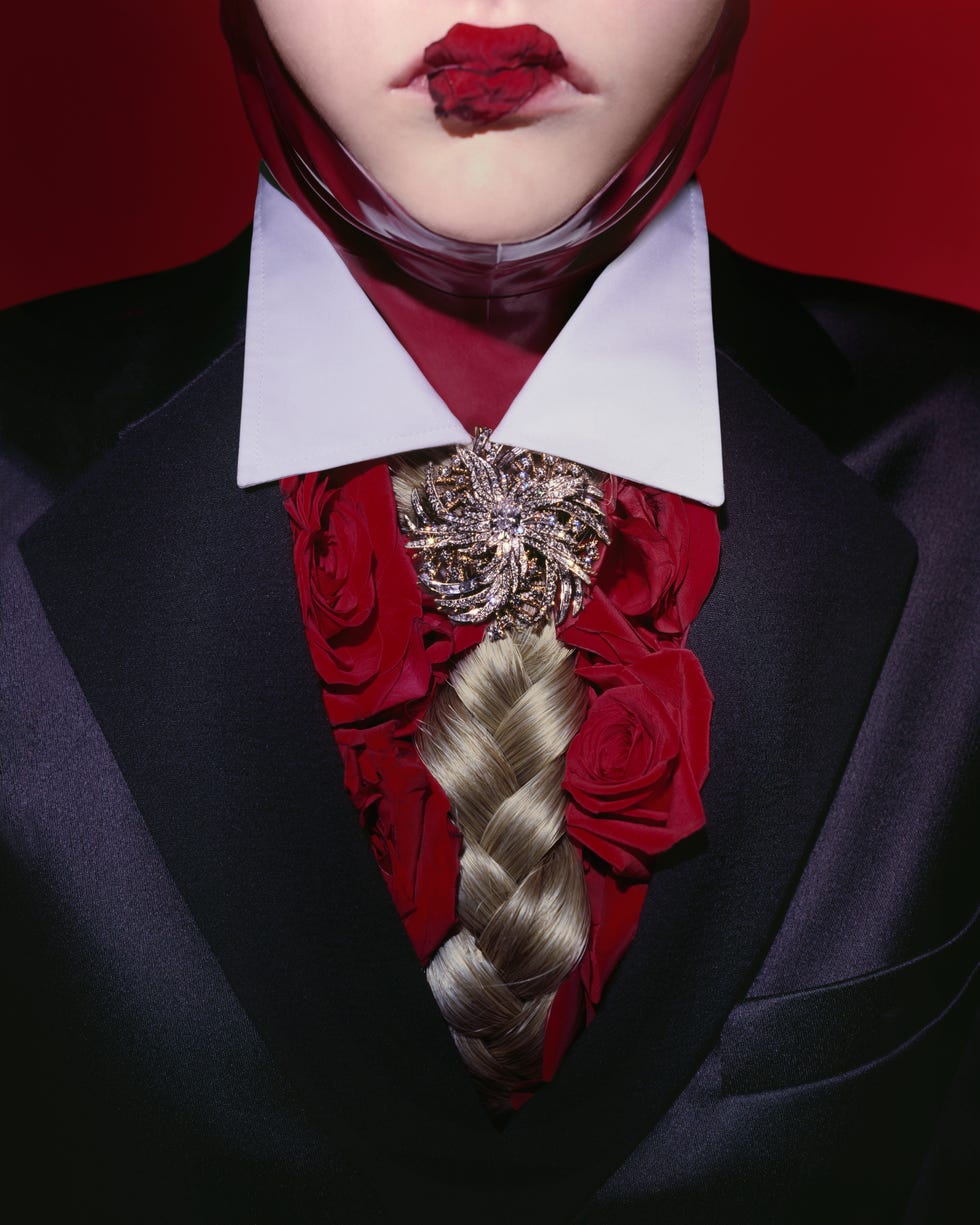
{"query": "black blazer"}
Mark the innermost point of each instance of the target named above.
(216, 1015)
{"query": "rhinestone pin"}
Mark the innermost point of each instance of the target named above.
(505, 535)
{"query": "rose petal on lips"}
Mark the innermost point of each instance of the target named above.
(480, 74)
(479, 97)
(490, 48)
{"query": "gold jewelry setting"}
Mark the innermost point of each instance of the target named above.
(505, 535)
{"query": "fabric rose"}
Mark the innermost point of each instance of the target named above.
(479, 74)
(358, 594)
(444, 640)
(413, 837)
(602, 632)
(635, 769)
(653, 576)
(380, 652)
(648, 569)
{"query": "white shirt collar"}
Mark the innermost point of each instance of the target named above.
(627, 387)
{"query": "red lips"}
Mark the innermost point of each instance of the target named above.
(479, 75)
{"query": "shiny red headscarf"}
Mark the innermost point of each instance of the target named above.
(475, 318)
(312, 167)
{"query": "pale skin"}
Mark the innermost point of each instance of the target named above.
(359, 63)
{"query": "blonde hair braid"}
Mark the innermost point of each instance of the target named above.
(495, 739)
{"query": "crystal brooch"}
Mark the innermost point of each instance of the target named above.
(504, 535)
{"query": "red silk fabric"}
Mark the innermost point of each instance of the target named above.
(634, 769)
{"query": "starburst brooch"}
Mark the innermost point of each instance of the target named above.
(504, 535)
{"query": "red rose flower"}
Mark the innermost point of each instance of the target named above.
(336, 573)
(412, 836)
(603, 632)
(359, 595)
(635, 769)
(703, 551)
(446, 640)
(652, 578)
(648, 569)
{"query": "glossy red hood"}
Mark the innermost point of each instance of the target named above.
(318, 174)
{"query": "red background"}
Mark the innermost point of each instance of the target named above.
(850, 145)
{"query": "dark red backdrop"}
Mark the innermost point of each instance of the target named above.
(851, 144)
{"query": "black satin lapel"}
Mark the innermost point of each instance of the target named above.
(813, 578)
(173, 594)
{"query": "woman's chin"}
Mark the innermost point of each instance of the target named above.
(490, 229)
(490, 216)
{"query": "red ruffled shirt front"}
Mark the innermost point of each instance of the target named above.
(634, 769)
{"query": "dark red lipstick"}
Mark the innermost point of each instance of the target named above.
(479, 74)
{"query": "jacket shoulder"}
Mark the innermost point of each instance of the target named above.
(79, 367)
(847, 358)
